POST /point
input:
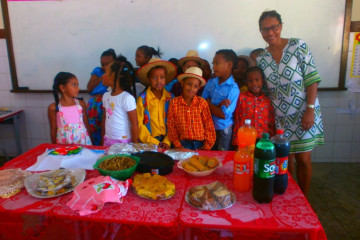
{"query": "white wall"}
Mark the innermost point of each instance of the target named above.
(342, 134)
(34, 125)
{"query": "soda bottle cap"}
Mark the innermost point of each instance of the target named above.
(279, 131)
(247, 121)
(265, 135)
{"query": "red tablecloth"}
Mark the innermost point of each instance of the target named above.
(288, 216)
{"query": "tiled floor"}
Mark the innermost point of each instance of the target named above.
(335, 197)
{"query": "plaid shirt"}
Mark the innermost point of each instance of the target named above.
(192, 122)
(259, 110)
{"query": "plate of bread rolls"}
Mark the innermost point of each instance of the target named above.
(199, 166)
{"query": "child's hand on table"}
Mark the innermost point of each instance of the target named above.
(164, 145)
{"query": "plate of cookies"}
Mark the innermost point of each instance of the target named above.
(199, 166)
(210, 197)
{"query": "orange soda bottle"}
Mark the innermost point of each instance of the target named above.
(242, 175)
(247, 135)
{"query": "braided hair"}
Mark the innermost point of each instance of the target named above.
(124, 75)
(150, 51)
(62, 78)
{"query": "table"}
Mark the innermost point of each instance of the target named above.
(12, 117)
(288, 216)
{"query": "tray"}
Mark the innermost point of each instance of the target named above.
(32, 182)
(180, 154)
(154, 163)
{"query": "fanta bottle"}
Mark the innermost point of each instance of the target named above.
(247, 135)
(242, 175)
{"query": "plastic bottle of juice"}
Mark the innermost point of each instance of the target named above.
(247, 135)
(264, 170)
(242, 175)
(282, 147)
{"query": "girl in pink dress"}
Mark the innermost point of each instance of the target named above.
(68, 120)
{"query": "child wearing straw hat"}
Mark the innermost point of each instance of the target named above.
(189, 122)
(152, 105)
(191, 59)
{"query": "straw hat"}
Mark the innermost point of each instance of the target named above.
(194, 72)
(247, 59)
(142, 73)
(192, 55)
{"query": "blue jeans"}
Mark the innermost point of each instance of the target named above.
(223, 139)
(192, 144)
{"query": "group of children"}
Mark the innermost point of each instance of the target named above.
(192, 110)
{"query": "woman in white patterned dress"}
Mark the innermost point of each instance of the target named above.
(292, 81)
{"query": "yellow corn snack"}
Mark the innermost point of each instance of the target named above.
(188, 167)
(147, 193)
(212, 162)
(203, 160)
(197, 164)
(153, 186)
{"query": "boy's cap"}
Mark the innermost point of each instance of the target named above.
(171, 70)
(247, 59)
(192, 55)
(194, 72)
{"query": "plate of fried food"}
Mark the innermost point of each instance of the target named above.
(54, 183)
(199, 166)
(154, 187)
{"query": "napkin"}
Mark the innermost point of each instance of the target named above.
(85, 159)
(91, 195)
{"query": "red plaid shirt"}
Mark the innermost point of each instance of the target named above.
(258, 109)
(192, 122)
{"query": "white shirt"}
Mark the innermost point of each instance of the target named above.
(117, 125)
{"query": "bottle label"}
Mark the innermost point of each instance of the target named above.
(264, 168)
(281, 165)
(242, 168)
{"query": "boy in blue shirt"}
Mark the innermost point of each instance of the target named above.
(222, 93)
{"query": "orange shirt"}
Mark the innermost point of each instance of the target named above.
(192, 122)
(259, 110)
